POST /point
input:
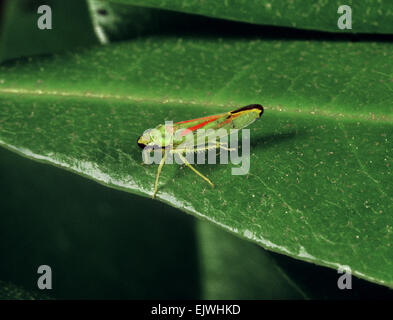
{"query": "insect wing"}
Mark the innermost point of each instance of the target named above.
(234, 120)
(221, 124)
(195, 124)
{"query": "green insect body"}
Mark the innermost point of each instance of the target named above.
(182, 137)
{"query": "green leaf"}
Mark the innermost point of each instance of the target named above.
(319, 187)
(367, 15)
(234, 269)
(160, 253)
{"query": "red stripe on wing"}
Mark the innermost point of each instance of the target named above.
(229, 119)
(204, 118)
(198, 126)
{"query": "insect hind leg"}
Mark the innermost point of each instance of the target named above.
(224, 146)
(158, 174)
(193, 169)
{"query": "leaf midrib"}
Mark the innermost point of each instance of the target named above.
(182, 102)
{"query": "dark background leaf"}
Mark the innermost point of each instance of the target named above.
(9, 291)
(20, 36)
(368, 16)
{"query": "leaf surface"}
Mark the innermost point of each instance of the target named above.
(319, 186)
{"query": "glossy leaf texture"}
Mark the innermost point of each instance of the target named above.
(319, 186)
(368, 16)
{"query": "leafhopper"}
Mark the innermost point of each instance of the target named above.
(181, 137)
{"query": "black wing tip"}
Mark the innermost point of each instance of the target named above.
(250, 107)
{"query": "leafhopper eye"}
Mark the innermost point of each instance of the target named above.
(141, 144)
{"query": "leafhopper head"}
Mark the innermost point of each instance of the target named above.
(154, 138)
(144, 139)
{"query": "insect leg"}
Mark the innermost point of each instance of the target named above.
(158, 173)
(193, 169)
(224, 145)
(197, 149)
